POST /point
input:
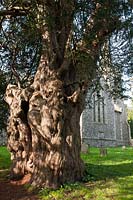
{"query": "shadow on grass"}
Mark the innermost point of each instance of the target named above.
(113, 181)
(102, 172)
(4, 174)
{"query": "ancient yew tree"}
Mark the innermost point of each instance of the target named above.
(53, 49)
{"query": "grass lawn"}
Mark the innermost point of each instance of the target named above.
(4, 162)
(107, 178)
(4, 158)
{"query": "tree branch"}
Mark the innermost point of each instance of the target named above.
(60, 27)
(13, 12)
(98, 28)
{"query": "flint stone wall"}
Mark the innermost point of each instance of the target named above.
(115, 129)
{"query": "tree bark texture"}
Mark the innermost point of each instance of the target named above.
(43, 130)
(19, 133)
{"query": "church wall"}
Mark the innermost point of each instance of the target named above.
(112, 132)
(124, 124)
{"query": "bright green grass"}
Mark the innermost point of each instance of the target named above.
(4, 158)
(5, 163)
(107, 178)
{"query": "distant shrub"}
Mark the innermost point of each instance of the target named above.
(130, 121)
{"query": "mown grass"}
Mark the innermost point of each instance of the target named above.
(5, 163)
(4, 158)
(106, 178)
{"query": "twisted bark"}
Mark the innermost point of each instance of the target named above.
(19, 132)
(43, 130)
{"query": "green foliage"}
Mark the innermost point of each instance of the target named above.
(3, 105)
(130, 120)
(20, 49)
(21, 39)
(131, 126)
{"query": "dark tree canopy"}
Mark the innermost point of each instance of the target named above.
(53, 50)
(3, 105)
(22, 24)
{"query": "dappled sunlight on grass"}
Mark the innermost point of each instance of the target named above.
(68, 192)
(125, 188)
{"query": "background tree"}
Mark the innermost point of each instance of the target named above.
(3, 105)
(62, 40)
(130, 118)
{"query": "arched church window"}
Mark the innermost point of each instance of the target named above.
(98, 107)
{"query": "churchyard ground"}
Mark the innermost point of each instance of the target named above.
(107, 177)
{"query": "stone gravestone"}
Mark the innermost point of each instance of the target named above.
(84, 148)
(103, 151)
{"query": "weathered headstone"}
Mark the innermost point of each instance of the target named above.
(84, 148)
(103, 151)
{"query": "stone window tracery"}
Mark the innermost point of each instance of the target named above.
(98, 107)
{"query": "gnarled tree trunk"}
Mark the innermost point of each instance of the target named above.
(19, 132)
(43, 131)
